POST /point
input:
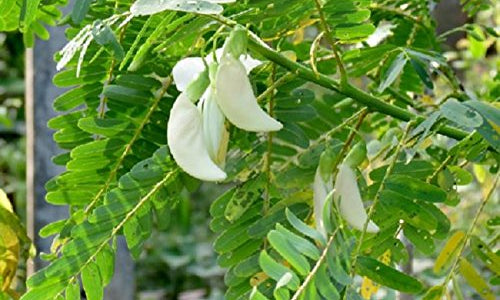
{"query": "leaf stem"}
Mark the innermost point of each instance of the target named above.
(268, 160)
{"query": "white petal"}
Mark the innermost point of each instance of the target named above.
(185, 140)
(236, 98)
(186, 70)
(320, 192)
(349, 200)
(213, 124)
(247, 60)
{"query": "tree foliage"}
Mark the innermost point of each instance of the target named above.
(346, 91)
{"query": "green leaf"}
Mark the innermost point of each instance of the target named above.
(126, 95)
(89, 74)
(487, 110)
(434, 293)
(9, 19)
(276, 270)
(92, 282)
(149, 7)
(256, 295)
(243, 198)
(353, 33)
(105, 260)
(422, 73)
(421, 238)
(461, 114)
(413, 188)
(105, 37)
(482, 251)
(393, 71)
(411, 212)
(475, 280)
(73, 291)
(51, 228)
(324, 284)
(48, 291)
(28, 13)
(80, 9)
(303, 228)
(462, 176)
(356, 155)
(449, 252)
(77, 97)
(419, 169)
(301, 244)
(387, 276)
(289, 252)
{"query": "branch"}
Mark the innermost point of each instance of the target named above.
(372, 102)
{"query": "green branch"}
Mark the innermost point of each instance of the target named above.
(372, 102)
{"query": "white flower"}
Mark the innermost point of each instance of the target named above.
(321, 188)
(348, 200)
(186, 141)
(197, 136)
(236, 99)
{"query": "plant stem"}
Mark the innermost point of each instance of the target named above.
(268, 161)
(372, 102)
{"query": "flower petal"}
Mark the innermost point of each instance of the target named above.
(349, 200)
(186, 70)
(186, 143)
(320, 192)
(214, 130)
(247, 60)
(236, 98)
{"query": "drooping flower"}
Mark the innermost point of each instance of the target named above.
(223, 91)
(348, 200)
(345, 192)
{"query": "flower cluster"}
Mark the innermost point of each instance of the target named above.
(197, 136)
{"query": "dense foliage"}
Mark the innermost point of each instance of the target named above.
(361, 85)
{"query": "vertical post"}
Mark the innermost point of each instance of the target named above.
(40, 148)
(30, 156)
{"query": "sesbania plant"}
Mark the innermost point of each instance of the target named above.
(340, 124)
